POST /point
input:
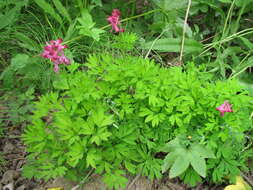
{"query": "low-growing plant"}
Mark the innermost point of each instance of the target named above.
(15, 108)
(26, 72)
(124, 113)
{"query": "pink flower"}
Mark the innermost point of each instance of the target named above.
(54, 52)
(225, 107)
(56, 68)
(115, 21)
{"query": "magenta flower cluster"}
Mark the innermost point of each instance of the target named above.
(114, 20)
(54, 52)
(225, 107)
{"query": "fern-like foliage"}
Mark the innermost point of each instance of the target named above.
(116, 116)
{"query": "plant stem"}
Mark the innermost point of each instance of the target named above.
(227, 18)
(153, 43)
(184, 30)
(229, 38)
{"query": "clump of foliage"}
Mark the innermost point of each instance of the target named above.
(26, 72)
(122, 113)
(119, 114)
(16, 108)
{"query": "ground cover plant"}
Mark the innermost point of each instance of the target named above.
(122, 112)
(160, 89)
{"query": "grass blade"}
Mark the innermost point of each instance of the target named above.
(62, 10)
(48, 9)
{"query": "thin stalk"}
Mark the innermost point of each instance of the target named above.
(52, 28)
(227, 18)
(229, 38)
(239, 18)
(238, 73)
(184, 30)
(153, 43)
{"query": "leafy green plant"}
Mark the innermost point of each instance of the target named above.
(87, 28)
(125, 41)
(181, 156)
(16, 108)
(115, 117)
(10, 11)
(27, 72)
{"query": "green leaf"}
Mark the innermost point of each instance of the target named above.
(168, 161)
(86, 20)
(87, 26)
(198, 163)
(247, 43)
(202, 151)
(191, 177)
(48, 9)
(173, 45)
(96, 33)
(169, 5)
(226, 1)
(108, 120)
(61, 83)
(115, 180)
(241, 3)
(86, 129)
(62, 9)
(19, 61)
(91, 159)
(97, 2)
(27, 42)
(130, 167)
(179, 166)
(171, 146)
(9, 17)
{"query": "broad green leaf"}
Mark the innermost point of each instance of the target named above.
(48, 9)
(86, 20)
(87, 26)
(61, 83)
(198, 163)
(98, 116)
(202, 151)
(91, 159)
(241, 3)
(108, 120)
(169, 5)
(86, 129)
(62, 9)
(96, 33)
(173, 45)
(19, 61)
(179, 166)
(9, 17)
(97, 2)
(4, 3)
(170, 146)
(168, 161)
